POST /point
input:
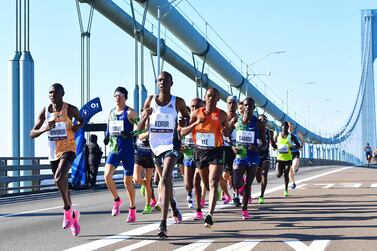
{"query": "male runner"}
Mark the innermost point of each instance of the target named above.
(56, 120)
(119, 133)
(295, 153)
(208, 124)
(162, 111)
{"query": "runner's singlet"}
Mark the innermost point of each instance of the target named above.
(163, 127)
(61, 138)
(119, 123)
(284, 148)
(207, 135)
(246, 136)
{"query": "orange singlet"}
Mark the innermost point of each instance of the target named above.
(208, 134)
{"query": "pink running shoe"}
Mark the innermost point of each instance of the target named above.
(153, 202)
(227, 199)
(67, 220)
(245, 215)
(116, 207)
(75, 228)
(202, 203)
(131, 215)
(198, 216)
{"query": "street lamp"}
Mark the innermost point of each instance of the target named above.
(287, 92)
(263, 57)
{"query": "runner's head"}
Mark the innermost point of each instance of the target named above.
(292, 127)
(165, 81)
(56, 93)
(212, 97)
(196, 103)
(285, 127)
(232, 103)
(120, 95)
(249, 106)
(240, 108)
(262, 118)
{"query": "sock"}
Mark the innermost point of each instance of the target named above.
(117, 199)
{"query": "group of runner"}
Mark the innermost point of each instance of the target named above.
(214, 147)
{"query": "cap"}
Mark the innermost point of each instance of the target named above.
(232, 98)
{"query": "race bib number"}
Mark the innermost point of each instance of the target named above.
(245, 137)
(59, 132)
(283, 148)
(188, 141)
(162, 123)
(116, 127)
(205, 139)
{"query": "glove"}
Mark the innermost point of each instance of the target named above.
(106, 140)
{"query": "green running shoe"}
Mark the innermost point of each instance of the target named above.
(219, 195)
(286, 193)
(261, 200)
(147, 209)
(142, 190)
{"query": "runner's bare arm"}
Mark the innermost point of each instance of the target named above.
(39, 126)
(147, 111)
(224, 123)
(73, 112)
(193, 122)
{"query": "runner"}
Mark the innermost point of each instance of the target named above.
(207, 125)
(119, 133)
(295, 153)
(162, 111)
(56, 120)
(144, 162)
(229, 155)
(284, 157)
(249, 133)
(368, 153)
(264, 159)
(189, 165)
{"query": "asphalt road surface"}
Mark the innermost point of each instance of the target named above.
(332, 208)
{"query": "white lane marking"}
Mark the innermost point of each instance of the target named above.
(302, 186)
(351, 185)
(373, 185)
(241, 246)
(152, 227)
(319, 245)
(136, 245)
(324, 186)
(199, 245)
(33, 211)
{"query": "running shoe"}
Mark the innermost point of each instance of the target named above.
(177, 216)
(236, 201)
(75, 227)
(116, 207)
(131, 215)
(153, 202)
(286, 193)
(223, 195)
(157, 208)
(245, 215)
(261, 200)
(190, 204)
(293, 186)
(162, 232)
(147, 210)
(208, 220)
(142, 190)
(198, 215)
(202, 203)
(67, 220)
(227, 199)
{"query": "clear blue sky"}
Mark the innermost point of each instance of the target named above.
(322, 40)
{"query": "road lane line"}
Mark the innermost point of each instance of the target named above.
(241, 246)
(317, 245)
(152, 227)
(33, 211)
(136, 245)
(199, 245)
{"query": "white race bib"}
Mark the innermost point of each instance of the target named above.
(162, 123)
(283, 148)
(116, 127)
(245, 137)
(59, 132)
(205, 139)
(188, 140)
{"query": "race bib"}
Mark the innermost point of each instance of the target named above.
(205, 139)
(59, 132)
(162, 123)
(116, 127)
(245, 137)
(283, 148)
(188, 141)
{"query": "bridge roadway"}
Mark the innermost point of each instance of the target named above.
(333, 208)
